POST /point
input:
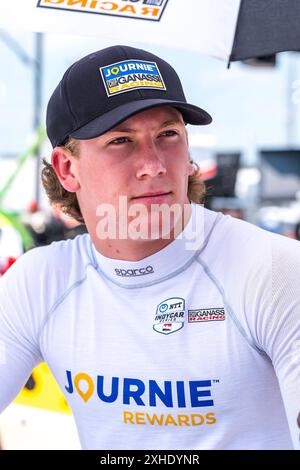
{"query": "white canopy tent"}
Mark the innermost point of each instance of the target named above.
(205, 26)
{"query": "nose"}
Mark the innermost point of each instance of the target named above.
(150, 161)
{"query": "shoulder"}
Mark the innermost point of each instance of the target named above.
(32, 285)
(239, 252)
(259, 273)
(260, 243)
(45, 272)
(239, 231)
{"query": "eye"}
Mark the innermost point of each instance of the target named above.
(169, 133)
(119, 140)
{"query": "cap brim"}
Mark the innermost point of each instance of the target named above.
(98, 126)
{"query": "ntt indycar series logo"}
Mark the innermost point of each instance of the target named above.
(169, 316)
(130, 75)
(134, 272)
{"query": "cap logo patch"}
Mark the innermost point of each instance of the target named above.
(130, 75)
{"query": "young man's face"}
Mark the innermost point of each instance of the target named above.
(146, 154)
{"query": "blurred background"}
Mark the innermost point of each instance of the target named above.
(249, 157)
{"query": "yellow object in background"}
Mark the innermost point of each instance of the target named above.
(44, 392)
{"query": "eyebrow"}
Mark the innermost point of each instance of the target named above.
(169, 122)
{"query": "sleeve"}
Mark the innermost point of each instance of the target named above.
(279, 325)
(19, 323)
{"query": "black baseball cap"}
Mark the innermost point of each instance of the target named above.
(106, 87)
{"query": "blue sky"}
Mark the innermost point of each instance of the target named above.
(249, 105)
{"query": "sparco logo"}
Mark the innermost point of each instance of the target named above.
(134, 272)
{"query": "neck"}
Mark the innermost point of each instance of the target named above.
(162, 264)
(130, 250)
(135, 250)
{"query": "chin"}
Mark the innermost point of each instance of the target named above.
(149, 227)
(156, 221)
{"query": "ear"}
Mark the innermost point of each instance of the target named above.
(64, 165)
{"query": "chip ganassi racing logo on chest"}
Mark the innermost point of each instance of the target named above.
(170, 316)
(206, 314)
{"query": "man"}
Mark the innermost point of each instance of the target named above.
(167, 326)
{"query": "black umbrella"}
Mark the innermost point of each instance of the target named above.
(265, 27)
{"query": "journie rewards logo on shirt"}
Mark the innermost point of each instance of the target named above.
(129, 75)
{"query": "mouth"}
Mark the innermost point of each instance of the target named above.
(155, 197)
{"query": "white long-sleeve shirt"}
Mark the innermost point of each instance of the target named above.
(186, 349)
